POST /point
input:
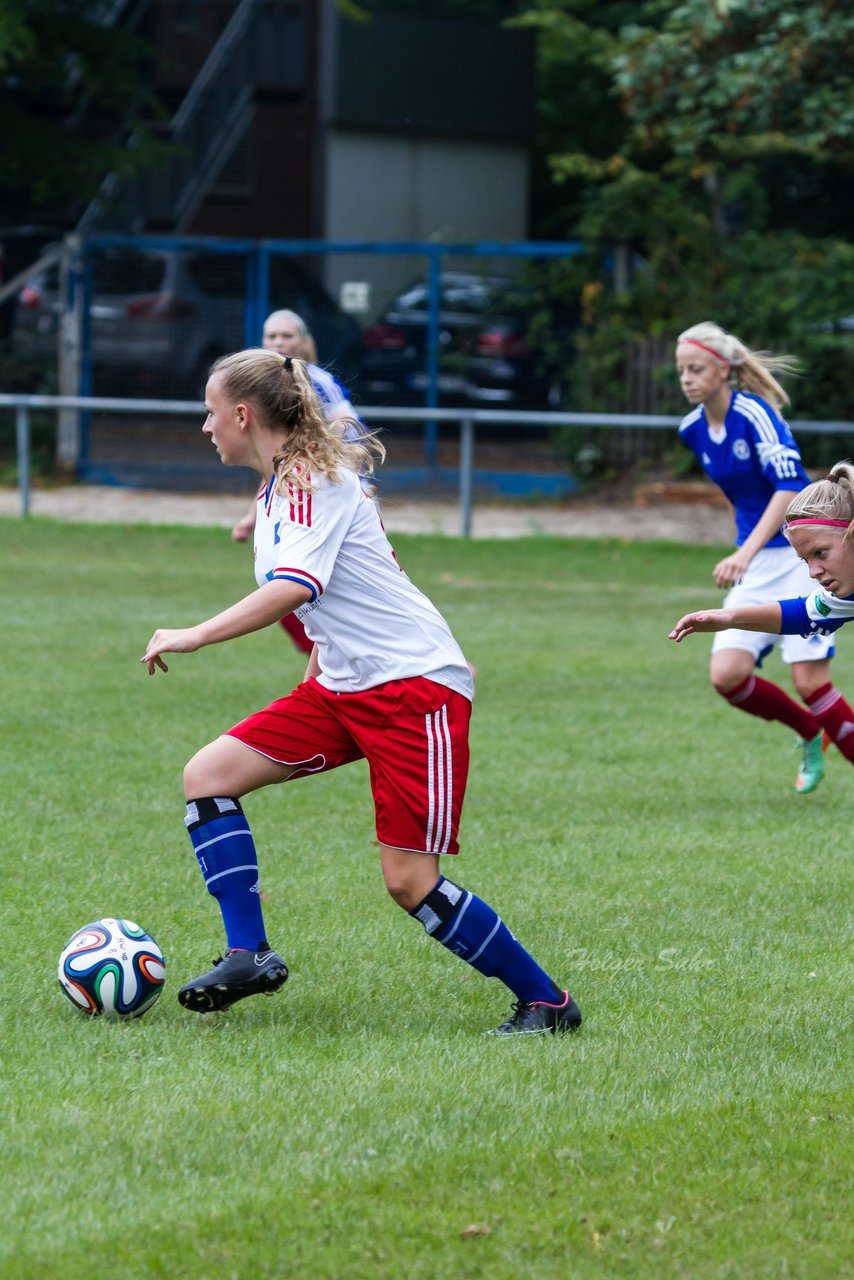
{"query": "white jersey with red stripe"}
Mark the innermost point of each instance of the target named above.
(368, 620)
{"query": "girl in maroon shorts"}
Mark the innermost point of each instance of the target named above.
(386, 681)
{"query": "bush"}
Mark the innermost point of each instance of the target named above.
(781, 292)
(28, 380)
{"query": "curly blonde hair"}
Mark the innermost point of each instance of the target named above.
(828, 499)
(281, 391)
(752, 370)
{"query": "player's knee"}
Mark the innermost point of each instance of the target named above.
(724, 684)
(409, 876)
(196, 778)
(805, 685)
(408, 884)
(401, 889)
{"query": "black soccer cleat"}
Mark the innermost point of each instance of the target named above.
(536, 1018)
(235, 976)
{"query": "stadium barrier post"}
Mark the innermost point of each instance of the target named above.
(466, 467)
(22, 441)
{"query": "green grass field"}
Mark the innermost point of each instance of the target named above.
(641, 838)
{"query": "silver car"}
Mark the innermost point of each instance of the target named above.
(157, 318)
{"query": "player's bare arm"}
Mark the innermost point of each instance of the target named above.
(750, 617)
(259, 609)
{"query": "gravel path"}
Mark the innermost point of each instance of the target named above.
(690, 512)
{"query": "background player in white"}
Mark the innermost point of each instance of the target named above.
(286, 332)
(748, 450)
(387, 681)
(820, 528)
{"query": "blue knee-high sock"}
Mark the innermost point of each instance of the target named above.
(228, 861)
(471, 929)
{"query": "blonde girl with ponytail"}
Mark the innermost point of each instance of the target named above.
(751, 371)
(820, 528)
(386, 682)
(736, 429)
(286, 333)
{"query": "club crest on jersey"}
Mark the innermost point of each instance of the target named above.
(822, 607)
(741, 450)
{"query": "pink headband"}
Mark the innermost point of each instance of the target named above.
(838, 524)
(703, 347)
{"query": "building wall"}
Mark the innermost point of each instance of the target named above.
(412, 73)
(270, 188)
(395, 187)
(427, 124)
(398, 127)
(267, 191)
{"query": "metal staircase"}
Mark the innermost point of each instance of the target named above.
(262, 49)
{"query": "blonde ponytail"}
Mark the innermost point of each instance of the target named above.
(751, 370)
(282, 392)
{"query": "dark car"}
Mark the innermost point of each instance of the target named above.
(484, 356)
(159, 317)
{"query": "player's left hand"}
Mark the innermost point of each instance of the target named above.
(184, 640)
(707, 620)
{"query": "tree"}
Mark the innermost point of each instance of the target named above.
(716, 143)
(73, 85)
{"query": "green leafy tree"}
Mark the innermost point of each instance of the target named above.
(713, 145)
(73, 86)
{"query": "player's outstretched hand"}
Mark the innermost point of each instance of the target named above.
(706, 620)
(185, 640)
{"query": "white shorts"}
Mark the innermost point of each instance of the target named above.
(775, 573)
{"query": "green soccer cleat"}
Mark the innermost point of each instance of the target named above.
(812, 767)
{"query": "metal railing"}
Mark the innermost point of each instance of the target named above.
(468, 419)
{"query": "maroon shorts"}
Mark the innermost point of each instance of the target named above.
(413, 734)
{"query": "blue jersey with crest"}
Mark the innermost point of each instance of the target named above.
(820, 614)
(753, 457)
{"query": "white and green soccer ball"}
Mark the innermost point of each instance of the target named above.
(112, 967)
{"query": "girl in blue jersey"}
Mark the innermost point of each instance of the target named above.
(820, 528)
(737, 432)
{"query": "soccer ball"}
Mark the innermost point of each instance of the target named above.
(112, 967)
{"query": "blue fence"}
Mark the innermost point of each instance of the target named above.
(402, 324)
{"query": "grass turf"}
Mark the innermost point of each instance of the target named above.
(644, 841)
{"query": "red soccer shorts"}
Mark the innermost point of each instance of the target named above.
(413, 734)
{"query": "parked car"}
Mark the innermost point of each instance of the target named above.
(20, 246)
(159, 317)
(484, 357)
